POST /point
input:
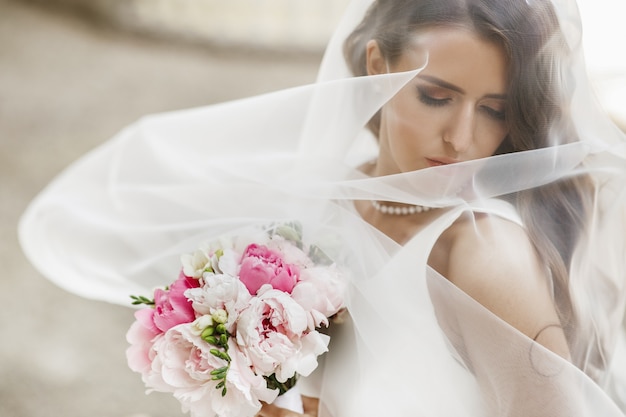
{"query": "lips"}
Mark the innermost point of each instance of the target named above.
(433, 162)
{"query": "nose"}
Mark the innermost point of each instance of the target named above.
(459, 132)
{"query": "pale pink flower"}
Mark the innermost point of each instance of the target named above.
(260, 265)
(271, 332)
(178, 364)
(245, 388)
(182, 365)
(320, 292)
(141, 336)
(312, 345)
(228, 263)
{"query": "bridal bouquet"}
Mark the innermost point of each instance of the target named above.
(239, 324)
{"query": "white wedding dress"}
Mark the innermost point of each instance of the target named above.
(417, 345)
(116, 222)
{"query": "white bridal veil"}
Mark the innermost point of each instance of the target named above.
(116, 222)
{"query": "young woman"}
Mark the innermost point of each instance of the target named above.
(484, 232)
(490, 84)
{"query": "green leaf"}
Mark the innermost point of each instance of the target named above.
(289, 233)
(140, 299)
(318, 256)
(282, 387)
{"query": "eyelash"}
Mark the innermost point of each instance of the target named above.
(431, 101)
(440, 102)
(498, 115)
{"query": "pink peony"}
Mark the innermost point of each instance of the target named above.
(261, 265)
(141, 336)
(172, 307)
(290, 252)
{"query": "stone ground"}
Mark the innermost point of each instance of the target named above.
(66, 85)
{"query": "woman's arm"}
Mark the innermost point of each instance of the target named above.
(494, 262)
(512, 340)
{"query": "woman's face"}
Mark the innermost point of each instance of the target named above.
(452, 111)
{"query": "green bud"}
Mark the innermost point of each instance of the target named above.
(224, 340)
(221, 370)
(220, 354)
(207, 332)
(210, 339)
(220, 328)
(224, 392)
(221, 384)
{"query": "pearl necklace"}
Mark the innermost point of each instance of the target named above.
(399, 210)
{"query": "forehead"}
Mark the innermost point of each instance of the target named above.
(459, 56)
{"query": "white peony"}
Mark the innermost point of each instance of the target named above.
(220, 292)
(320, 292)
(272, 332)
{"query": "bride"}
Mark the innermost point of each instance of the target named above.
(451, 155)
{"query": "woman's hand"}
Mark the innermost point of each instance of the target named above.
(310, 409)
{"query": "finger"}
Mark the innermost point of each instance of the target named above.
(310, 405)
(270, 410)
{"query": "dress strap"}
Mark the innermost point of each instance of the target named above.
(497, 207)
(424, 241)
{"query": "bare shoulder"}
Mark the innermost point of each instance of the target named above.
(494, 261)
(487, 249)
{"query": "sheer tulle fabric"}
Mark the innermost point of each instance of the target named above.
(116, 222)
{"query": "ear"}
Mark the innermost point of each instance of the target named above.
(375, 62)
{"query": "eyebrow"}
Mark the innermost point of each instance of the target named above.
(444, 84)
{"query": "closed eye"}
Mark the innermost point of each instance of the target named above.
(429, 100)
(493, 113)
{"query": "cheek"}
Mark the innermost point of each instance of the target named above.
(490, 136)
(406, 134)
(407, 120)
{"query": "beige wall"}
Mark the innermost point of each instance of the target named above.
(270, 24)
(266, 23)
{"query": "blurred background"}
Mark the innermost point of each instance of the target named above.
(72, 74)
